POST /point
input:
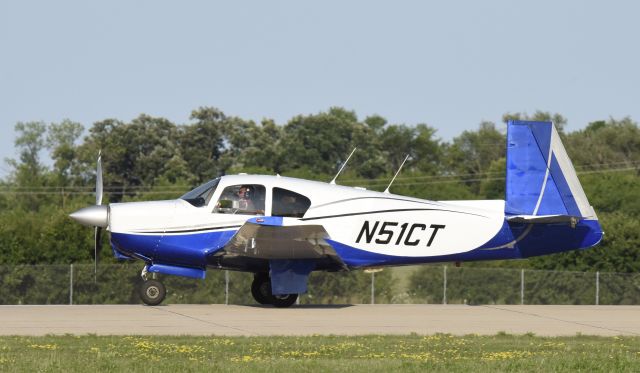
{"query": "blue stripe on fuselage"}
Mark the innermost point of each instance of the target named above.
(189, 249)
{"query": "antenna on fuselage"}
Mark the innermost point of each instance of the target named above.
(341, 168)
(397, 172)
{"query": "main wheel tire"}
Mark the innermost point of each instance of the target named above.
(152, 292)
(284, 301)
(261, 289)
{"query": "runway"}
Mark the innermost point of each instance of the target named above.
(236, 320)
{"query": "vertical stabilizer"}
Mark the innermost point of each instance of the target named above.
(541, 179)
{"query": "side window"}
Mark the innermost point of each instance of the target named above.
(289, 204)
(246, 199)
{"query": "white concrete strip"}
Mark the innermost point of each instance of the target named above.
(308, 320)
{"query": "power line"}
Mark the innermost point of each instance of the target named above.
(504, 178)
(182, 188)
(173, 190)
(475, 175)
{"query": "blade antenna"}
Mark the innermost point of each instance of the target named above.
(397, 172)
(333, 182)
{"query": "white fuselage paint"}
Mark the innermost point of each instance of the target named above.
(377, 222)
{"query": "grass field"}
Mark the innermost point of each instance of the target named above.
(410, 353)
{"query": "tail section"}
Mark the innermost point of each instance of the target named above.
(541, 179)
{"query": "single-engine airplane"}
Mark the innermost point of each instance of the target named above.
(281, 229)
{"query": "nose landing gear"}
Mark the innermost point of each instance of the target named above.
(152, 292)
(261, 291)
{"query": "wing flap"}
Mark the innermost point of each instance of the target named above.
(280, 242)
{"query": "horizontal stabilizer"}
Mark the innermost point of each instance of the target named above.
(543, 219)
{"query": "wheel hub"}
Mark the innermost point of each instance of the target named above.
(152, 292)
(265, 289)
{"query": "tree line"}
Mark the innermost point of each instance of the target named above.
(154, 158)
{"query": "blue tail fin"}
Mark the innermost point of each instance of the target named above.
(540, 177)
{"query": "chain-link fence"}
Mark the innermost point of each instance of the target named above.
(118, 284)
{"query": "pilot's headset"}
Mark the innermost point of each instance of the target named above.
(248, 194)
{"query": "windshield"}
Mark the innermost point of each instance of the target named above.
(201, 195)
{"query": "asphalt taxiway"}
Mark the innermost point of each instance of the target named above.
(234, 320)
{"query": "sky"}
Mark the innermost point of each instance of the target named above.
(450, 64)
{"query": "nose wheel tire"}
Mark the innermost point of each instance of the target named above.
(152, 292)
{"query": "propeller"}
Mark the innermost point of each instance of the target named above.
(98, 230)
(95, 216)
(99, 180)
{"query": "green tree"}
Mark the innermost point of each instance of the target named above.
(152, 158)
(424, 150)
(135, 154)
(61, 141)
(323, 141)
(397, 142)
(492, 186)
(202, 143)
(605, 144)
(28, 172)
(264, 150)
(473, 152)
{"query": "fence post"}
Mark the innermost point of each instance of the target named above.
(444, 287)
(71, 284)
(597, 288)
(373, 288)
(522, 286)
(226, 287)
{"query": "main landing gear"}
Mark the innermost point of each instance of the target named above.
(152, 292)
(261, 291)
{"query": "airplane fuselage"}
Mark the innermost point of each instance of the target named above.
(363, 228)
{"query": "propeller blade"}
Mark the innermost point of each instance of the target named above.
(99, 180)
(96, 248)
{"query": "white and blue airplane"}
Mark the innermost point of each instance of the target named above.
(282, 229)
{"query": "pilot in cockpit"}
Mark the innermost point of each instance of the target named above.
(245, 198)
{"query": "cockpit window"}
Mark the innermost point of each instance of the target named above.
(289, 204)
(246, 199)
(201, 195)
